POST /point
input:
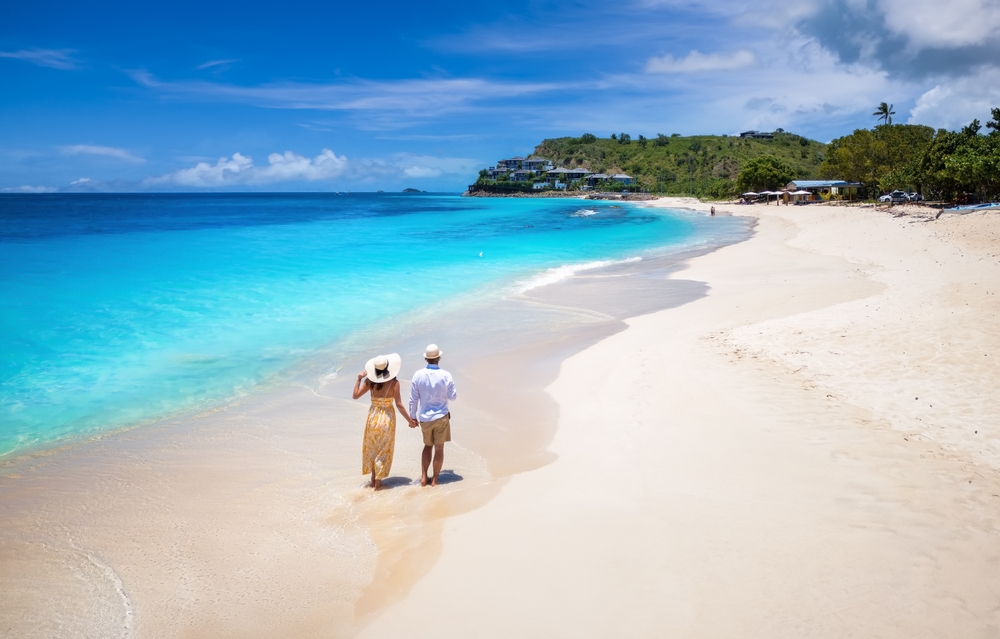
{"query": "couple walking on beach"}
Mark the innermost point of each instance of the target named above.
(430, 391)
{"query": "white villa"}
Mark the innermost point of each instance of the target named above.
(521, 169)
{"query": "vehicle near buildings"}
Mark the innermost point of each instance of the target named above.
(895, 196)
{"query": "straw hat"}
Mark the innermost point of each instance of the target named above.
(432, 352)
(383, 368)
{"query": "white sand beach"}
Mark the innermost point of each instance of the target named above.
(812, 449)
(806, 442)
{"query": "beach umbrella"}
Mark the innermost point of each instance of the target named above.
(801, 192)
(751, 193)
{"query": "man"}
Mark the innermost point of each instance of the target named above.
(431, 390)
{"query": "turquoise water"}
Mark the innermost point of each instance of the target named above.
(117, 309)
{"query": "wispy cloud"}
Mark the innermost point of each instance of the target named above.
(427, 97)
(107, 151)
(52, 58)
(80, 182)
(215, 63)
(30, 189)
(697, 62)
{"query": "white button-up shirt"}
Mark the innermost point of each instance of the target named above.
(430, 391)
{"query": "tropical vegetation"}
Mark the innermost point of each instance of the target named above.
(943, 165)
(702, 165)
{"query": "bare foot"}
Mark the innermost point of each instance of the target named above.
(423, 480)
(378, 484)
(434, 482)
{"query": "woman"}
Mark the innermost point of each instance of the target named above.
(380, 428)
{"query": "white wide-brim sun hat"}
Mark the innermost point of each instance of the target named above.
(383, 368)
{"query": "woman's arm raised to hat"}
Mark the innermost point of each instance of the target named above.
(358, 389)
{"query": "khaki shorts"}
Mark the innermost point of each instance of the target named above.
(437, 431)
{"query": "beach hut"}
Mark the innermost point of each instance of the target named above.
(826, 189)
(800, 196)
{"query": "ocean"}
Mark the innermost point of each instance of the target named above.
(118, 310)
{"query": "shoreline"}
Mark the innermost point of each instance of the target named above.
(758, 462)
(241, 460)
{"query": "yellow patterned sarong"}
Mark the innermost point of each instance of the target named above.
(380, 438)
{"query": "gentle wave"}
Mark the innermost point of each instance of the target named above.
(559, 273)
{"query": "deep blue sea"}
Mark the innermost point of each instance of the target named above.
(118, 309)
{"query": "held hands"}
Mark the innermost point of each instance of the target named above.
(413, 422)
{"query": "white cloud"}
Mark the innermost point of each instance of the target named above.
(52, 58)
(932, 23)
(428, 166)
(80, 181)
(289, 167)
(956, 102)
(241, 170)
(107, 151)
(215, 63)
(697, 62)
(30, 189)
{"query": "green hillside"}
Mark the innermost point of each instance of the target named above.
(705, 165)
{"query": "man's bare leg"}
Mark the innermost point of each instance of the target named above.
(425, 462)
(438, 461)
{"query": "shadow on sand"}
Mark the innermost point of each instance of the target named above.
(445, 477)
(396, 482)
(448, 477)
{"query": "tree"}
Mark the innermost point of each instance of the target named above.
(624, 138)
(885, 113)
(587, 138)
(661, 140)
(764, 172)
(887, 157)
(614, 137)
(642, 141)
(995, 123)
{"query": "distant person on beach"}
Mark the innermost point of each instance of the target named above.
(380, 428)
(430, 392)
(713, 210)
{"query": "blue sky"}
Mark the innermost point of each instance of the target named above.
(333, 96)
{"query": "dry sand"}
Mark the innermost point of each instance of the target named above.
(813, 449)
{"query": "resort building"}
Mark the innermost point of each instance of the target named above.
(536, 164)
(519, 163)
(511, 164)
(495, 172)
(826, 189)
(521, 176)
(756, 135)
(621, 177)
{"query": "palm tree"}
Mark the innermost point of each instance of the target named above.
(885, 113)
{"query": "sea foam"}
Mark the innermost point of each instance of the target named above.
(560, 273)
